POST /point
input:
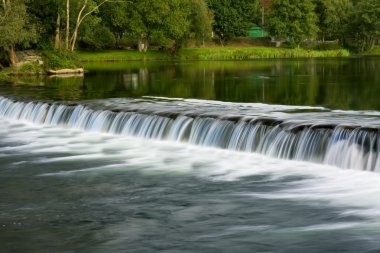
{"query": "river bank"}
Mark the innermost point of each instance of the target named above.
(374, 51)
(59, 60)
(213, 53)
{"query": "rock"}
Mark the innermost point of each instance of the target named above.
(28, 56)
(65, 71)
(62, 76)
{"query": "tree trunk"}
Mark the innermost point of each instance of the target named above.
(373, 43)
(118, 39)
(12, 56)
(77, 24)
(67, 24)
(6, 4)
(74, 39)
(221, 41)
(57, 39)
(142, 44)
(146, 42)
(79, 20)
(178, 43)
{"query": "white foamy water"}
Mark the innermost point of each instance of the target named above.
(346, 140)
(357, 190)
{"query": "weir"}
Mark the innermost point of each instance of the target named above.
(341, 145)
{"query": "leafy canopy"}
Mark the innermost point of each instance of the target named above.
(293, 19)
(15, 26)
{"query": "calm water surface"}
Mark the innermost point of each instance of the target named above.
(351, 83)
(66, 188)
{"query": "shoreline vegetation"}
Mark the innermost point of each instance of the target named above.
(374, 51)
(249, 53)
(38, 38)
(213, 53)
(55, 61)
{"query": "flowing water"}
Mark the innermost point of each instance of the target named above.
(266, 156)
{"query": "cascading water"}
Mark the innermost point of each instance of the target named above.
(93, 165)
(335, 143)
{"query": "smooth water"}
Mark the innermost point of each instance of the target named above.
(347, 83)
(74, 191)
(149, 173)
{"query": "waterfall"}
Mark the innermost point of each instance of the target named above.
(352, 147)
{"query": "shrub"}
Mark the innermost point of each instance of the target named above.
(30, 69)
(59, 59)
(99, 38)
(374, 51)
(226, 53)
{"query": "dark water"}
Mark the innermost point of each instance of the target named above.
(352, 83)
(68, 189)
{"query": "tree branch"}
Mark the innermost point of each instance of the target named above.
(67, 24)
(80, 18)
(98, 6)
(4, 17)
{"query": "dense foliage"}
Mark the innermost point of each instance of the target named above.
(293, 20)
(15, 28)
(59, 59)
(171, 24)
(232, 17)
(363, 30)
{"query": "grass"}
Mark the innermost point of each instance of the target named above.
(216, 53)
(122, 55)
(60, 59)
(4, 74)
(246, 53)
(373, 51)
(27, 69)
(30, 69)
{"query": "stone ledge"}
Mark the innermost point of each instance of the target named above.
(65, 71)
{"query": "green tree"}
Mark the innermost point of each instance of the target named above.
(82, 10)
(293, 20)
(363, 29)
(44, 14)
(232, 18)
(201, 21)
(15, 28)
(178, 23)
(164, 22)
(186, 19)
(117, 18)
(333, 17)
(149, 22)
(94, 34)
(50, 18)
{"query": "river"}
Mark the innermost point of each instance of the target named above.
(248, 156)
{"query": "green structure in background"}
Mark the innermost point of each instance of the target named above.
(257, 32)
